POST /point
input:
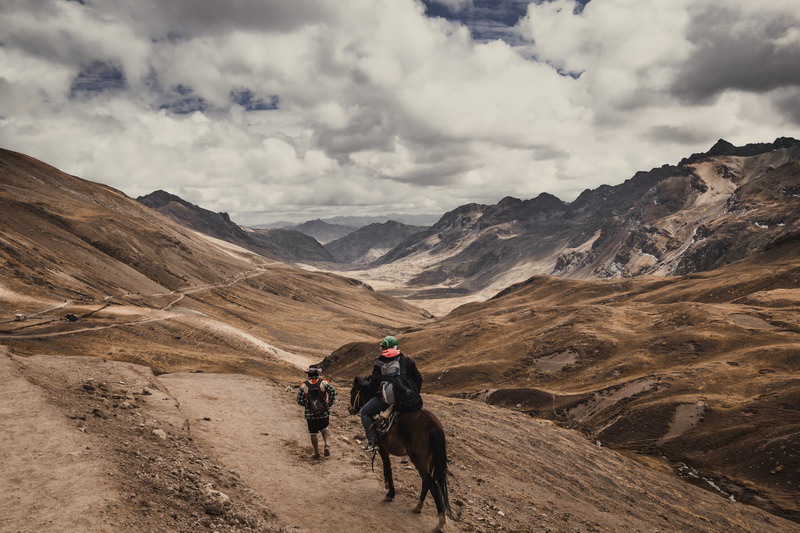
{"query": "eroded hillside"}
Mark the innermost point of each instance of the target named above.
(701, 369)
(143, 288)
(705, 212)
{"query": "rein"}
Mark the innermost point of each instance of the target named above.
(356, 400)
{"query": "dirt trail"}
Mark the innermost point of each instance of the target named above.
(198, 322)
(256, 428)
(94, 446)
(508, 472)
(88, 445)
(91, 328)
(301, 362)
(52, 478)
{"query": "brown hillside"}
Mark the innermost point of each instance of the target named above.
(148, 290)
(702, 369)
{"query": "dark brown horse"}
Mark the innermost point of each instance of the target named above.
(420, 436)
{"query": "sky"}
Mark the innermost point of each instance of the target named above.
(294, 110)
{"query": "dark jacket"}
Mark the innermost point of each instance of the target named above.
(410, 370)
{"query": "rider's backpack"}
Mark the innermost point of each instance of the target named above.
(316, 398)
(406, 394)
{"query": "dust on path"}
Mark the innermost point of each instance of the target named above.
(256, 428)
(52, 478)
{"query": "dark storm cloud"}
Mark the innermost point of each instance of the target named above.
(432, 175)
(677, 135)
(788, 103)
(367, 129)
(753, 52)
(216, 17)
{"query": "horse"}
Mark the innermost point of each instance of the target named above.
(420, 436)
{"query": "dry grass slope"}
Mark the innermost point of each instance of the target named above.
(702, 369)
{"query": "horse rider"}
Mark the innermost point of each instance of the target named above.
(389, 363)
(317, 396)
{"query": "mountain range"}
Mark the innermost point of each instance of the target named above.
(146, 288)
(698, 372)
(658, 317)
(705, 212)
(302, 243)
(282, 244)
(322, 231)
(371, 242)
(356, 222)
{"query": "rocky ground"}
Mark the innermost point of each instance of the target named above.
(95, 446)
(89, 445)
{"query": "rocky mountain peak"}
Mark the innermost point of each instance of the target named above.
(160, 198)
(285, 245)
(724, 148)
(509, 202)
(721, 147)
(371, 242)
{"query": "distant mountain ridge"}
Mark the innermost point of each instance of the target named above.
(322, 231)
(371, 242)
(709, 210)
(285, 245)
(356, 222)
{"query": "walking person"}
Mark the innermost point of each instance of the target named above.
(317, 395)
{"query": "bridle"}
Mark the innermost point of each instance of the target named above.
(355, 400)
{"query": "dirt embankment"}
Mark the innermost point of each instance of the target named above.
(95, 446)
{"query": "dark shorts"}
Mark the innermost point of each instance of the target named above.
(315, 425)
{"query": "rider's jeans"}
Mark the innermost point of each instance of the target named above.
(370, 409)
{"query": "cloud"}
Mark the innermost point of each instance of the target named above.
(306, 109)
(675, 134)
(740, 46)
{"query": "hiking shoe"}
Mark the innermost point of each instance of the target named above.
(371, 448)
(315, 456)
(327, 452)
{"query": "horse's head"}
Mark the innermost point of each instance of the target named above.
(357, 395)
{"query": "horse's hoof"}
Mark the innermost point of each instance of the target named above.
(388, 498)
(417, 510)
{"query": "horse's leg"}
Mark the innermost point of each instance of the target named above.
(388, 481)
(421, 462)
(425, 485)
(440, 507)
(429, 457)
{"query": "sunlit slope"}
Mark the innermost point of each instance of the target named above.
(701, 369)
(146, 289)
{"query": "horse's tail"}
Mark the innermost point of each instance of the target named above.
(439, 471)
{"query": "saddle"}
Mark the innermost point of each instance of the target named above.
(383, 422)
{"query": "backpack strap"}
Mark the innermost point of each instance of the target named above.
(308, 385)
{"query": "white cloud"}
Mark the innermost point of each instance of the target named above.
(380, 107)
